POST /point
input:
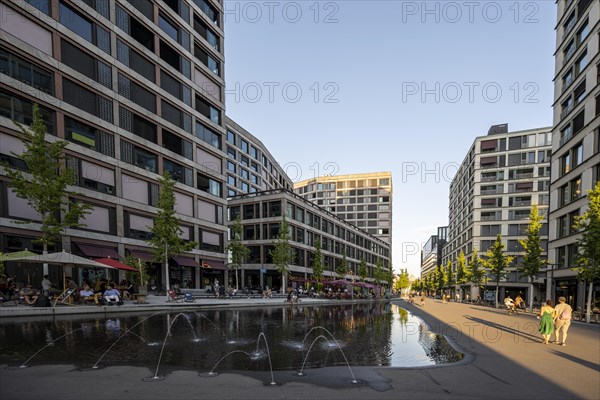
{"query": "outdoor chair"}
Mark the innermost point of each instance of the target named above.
(177, 298)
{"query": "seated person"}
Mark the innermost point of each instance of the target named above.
(111, 294)
(86, 294)
(30, 295)
(127, 289)
(99, 290)
(509, 303)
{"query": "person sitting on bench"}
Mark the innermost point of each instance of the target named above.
(30, 295)
(86, 294)
(112, 295)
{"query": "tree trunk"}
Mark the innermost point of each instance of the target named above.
(531, 295)
(237, 285)
(497, 287)
(588, 307)
(45, 252)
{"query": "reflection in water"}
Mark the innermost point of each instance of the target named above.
(370, 334)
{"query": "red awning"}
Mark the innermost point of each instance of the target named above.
(186, 261)
(142, 255)
(214, 264)
(116, 264)
(92, 250)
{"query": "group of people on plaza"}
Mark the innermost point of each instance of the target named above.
(103, 292)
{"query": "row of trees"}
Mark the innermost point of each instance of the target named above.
(495, 265)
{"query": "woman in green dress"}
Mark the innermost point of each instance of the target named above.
(546, 327)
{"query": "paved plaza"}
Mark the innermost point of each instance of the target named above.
(505, 360)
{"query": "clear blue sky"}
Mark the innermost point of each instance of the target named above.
(396, 86)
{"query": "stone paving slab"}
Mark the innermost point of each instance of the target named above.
(506, 360)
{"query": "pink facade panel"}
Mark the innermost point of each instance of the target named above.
(140, 223)
(135, 189)
(98, 219)
(184, 204)
(25, 30)
(10, 144)
(207, 85)
(208, 161)
(18, 208)
(206, 211)
(98, 173)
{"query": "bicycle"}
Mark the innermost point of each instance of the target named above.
(159, 290)
(578, 315)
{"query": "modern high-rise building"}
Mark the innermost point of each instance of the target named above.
(250, 166)
(575, 139)
(261, 215)
(137, 89)
(503, 174)
(364, 200)
(432, 252)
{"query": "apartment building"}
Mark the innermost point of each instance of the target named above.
(575, 139)
(250, 166)
(137, 89)
(503, 174)
(261, 214)
(432, 252)
(364, 200)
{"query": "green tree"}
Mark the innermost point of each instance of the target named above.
(237, 250)
(282, 256)
(317, 262)
(402, 282)
(475, 270)
(141, 275)
(166, 241)
(532, 260)
(362, 270)
(588, 255)
(44, 183)
(342, 267)
(497, 262)
(450, 275)
(440, 278)
(461, 269)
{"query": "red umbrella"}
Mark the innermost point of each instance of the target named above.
(115, 264)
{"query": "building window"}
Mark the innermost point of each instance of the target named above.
(231, 180)
(169, 27)
(21, 110)
(208, 110)
(244, 145)
(230, 137)
(75, 22)
(211, 63)
(209, 185)
(253, 153)
(581, 63)
(139, 157)
(24, 71)
(211, 38)
(87, 136)
(208, 10)
(231, 166)
(207, 135)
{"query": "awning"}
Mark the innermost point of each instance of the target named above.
(214, 264)
(116, 264)
(142, 255)
(186, 261)
(91, 250)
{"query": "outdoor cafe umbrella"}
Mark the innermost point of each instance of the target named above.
(16, 256)
(64, 258)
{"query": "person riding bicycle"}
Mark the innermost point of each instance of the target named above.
(519, 302)
(510, 304)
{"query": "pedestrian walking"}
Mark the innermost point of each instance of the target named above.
(422, 300)
(547, 314)
(562, 320)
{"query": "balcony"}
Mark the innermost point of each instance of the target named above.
(566, 137)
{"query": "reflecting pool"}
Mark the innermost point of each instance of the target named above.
(284, 338)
